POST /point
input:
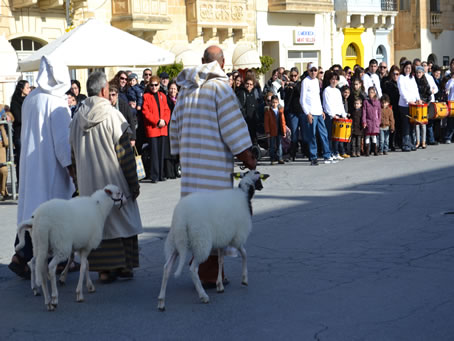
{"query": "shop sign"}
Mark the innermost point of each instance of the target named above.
(304, 36)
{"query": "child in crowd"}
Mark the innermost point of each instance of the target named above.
(134, 92)
(274, 129)
(357, 129)
(357, 91)
(386, 125)
(345, 91)
(371, 121)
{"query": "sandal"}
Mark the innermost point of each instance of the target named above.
(19, 266)
(106, 277)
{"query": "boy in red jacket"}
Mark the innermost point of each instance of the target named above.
(275, 129)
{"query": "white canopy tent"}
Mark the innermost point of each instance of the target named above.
(244, 57)
(95, 44)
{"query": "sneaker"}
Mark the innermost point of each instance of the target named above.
(273, 163)
(448, 141)
(330, 160)
(345, 156)
(314, 162)
(281, 162)
(337, 157)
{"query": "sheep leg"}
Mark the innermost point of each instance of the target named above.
(219, 284)
(198, 285)
(31, 266)
(53, 279)
(45, 290)
(64, 274)
(83, 270)
(90, 286)
(165, 277)
(244, 278)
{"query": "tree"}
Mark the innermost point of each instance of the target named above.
(266, 61)
(173, 69)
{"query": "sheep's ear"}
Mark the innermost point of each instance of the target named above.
(108, 191)
(264, 176)
(237, 175)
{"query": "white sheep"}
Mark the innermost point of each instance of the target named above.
(59, 227)
(203, 221)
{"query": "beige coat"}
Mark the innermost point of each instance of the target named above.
(94, 131)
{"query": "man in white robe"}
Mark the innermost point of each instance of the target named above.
(46, 154)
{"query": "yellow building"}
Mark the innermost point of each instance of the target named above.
(425, 30)
(183, 27)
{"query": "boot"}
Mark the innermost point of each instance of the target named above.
(293, 150)
(353, 150)
(366, 149)
(375, 148)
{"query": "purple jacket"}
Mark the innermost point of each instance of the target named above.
(371, 116)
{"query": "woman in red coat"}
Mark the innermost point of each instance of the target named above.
(156, 116)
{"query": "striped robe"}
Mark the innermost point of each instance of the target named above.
(207, 129)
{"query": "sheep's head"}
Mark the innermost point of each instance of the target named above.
(251, 179)
(115, 194)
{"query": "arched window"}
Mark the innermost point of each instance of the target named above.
(351, 51)
(25, 47)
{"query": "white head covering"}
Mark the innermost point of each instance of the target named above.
(53, 77)
(311, 65)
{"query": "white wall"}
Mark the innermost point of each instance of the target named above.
(441, 46)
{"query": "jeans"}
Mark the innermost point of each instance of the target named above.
(407, 141)
(449, 129)
(329, 130)
(420, 130)
(338, 148)
(384, 140)
(296, 121)
(275, 148)
(318, 125)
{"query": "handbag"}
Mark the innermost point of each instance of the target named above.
(139, 165)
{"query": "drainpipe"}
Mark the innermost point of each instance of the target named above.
(332, 37)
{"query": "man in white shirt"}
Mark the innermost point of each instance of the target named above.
(371, 79)
(315, 117)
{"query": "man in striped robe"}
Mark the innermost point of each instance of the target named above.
(207, 130)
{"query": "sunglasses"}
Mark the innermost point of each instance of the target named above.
(154, 84)
(383, 67)
(147, 74)
(123, 78)
(396, 73)
(313, 70)
(113, 94)
(249, 84)
(294, 75)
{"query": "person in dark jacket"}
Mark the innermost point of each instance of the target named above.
(124, 108)
(75, 88)
(294, 113)
(249, 106)
(134, 93)
(357, 128)
(391, 89)
(425, 93)
(21, 91)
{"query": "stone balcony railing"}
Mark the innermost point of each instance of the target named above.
(300, 6)
(435, 22)
(378, 14)
(43, 4)
(223, 18)
(141, 17)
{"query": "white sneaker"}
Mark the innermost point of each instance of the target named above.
(330, 160)
(338, 157)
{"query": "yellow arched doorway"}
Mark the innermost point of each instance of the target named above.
(352, 48)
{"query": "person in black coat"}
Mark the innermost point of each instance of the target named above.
(21, 91)
(125, 109)
(249, 107)
(391, 89)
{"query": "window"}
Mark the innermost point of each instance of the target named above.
(404, 5)
(435, 6)
(351, 51)
(295, 54)
(25, 44)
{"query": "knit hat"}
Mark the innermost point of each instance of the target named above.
(133, 76)
(163, 75)
(420, 68)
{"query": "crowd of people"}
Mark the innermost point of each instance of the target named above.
(193, 127)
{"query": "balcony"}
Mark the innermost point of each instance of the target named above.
(377, 14)
(208, 18)
(141, 17)
(43, 4)
(389, 5)
(435, 22)
(300, 6)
